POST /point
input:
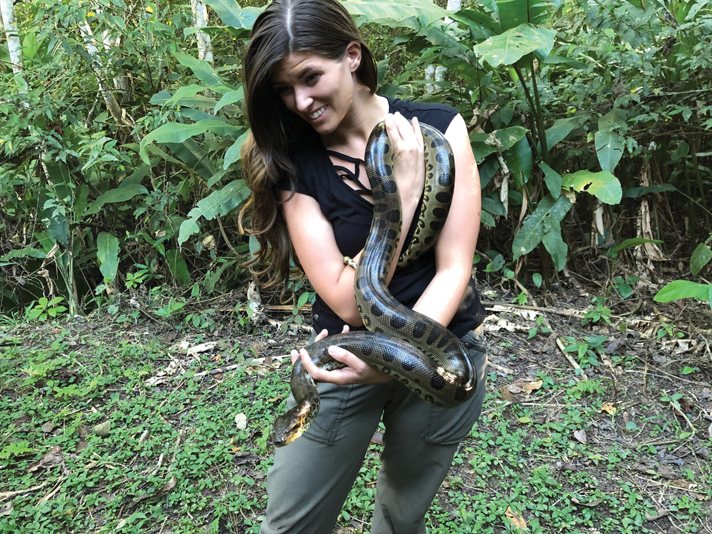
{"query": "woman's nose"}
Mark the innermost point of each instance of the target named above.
(303, 99)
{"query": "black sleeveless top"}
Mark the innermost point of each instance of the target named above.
(350, 215)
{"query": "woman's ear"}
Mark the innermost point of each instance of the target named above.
(353, 54)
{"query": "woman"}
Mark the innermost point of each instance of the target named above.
(310, 90)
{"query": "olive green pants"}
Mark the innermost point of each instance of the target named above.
(312, 477)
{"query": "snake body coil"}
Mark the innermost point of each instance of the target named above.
(415, 350)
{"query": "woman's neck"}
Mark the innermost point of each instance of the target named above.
(367, 110)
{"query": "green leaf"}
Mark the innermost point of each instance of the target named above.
(230, 98)
(221, 201)
(107, 251)
(303, 298)
(537, 279)
(609, 149)
(601, 184)
(186, 92)
(533, 230)
(233, 15)
(197, 101)
(636, 192)
(553, 242)
(177, 133)
(519, 159)
(188, 228)
(484, 144)
(512, 13)
(233, 153)
(682, 289)
(178, 267)
(562, 128)
(204, 72)
(395, 13)
(634, 242)
(487, 219)
(120, 194)
(17, 448)
(27, 252)
(552, 179)
(700, 257)
(512, 45)
(233, 193)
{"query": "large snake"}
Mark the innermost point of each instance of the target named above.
(414, 349)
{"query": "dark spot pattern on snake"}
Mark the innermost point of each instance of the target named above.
(432, 337)
(398, 322)
(376, 310)
(443, 198)
(419, 329)
(437, 382)
(393, 216)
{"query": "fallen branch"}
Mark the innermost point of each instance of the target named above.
(10, 494)
(573, 362)
(487, 304)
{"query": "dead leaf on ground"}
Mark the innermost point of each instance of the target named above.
(658, 514)
(168, 486)
(103, 429)
(524, 386)
(665, 471)
(275, 399)
(684, 484)
(24, 418)
(506, 394)
(590, 504)
(203, 347)
(580, 436)
(241, 421)
(377, 438)
(516, 520)
(52, 458)
(48, 427)
(609, 408)
(246, 458)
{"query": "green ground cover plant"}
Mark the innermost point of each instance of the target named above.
(114, 426)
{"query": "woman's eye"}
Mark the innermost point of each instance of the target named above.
(312, 79)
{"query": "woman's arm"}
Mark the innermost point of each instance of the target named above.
(455, 246)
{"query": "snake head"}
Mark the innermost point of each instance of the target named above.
(293, 424)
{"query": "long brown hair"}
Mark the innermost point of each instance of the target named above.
(322, 27)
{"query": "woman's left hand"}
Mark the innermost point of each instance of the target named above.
(356, 371)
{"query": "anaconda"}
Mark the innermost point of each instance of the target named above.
(414, 349)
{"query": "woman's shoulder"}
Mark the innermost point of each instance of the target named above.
(437, 115)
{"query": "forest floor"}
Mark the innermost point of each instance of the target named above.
(112, 424)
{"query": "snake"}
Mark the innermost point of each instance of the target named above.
(413, 349)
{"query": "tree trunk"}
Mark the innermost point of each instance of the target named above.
(14, 45)
(200, 19)
(437, 74)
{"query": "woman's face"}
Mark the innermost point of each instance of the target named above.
(317, 89)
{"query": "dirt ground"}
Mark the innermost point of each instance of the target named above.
(602, 427)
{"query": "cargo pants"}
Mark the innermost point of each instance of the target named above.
(312, 477)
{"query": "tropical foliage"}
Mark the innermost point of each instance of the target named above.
(120, 149)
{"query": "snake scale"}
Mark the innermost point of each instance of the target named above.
(415, 350)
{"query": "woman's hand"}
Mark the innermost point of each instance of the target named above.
(408, 157)
(356, 371)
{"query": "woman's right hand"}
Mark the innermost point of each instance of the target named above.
(356, 371)
(408, 156)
